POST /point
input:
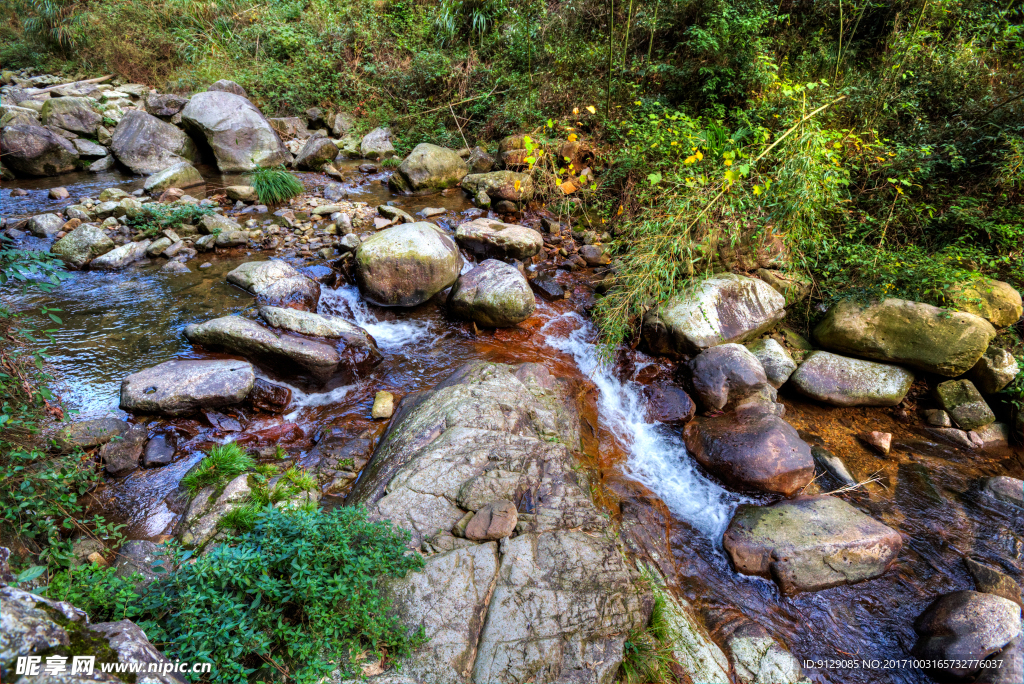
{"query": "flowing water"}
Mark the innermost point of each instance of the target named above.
(115, 324)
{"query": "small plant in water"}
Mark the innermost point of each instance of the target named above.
(391, 163)
(224, 462)
(274, 186)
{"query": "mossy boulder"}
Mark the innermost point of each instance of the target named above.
(497, 240)
(997, 302)
(500, 185)
(406, 265)
(909, 333)
(181, 175)
(72, 114)
(429, 168)
(82, 245)
(493, 294)
(842, 381)
(964, 403)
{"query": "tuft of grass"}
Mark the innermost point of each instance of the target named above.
(274, 186)
(224, 462)
(391, 163)
(291, 483)
(647, 653)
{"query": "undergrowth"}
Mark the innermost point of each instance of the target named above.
(153, 218)
(223, 463)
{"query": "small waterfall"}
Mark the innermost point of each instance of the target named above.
(657, 457)
(391, 336)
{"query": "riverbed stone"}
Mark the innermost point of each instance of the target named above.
(383, 405)
(356, 347)
(36, 151)
(277, 283)
(496, 240)
(964, 404)
(377, 144)
(120, 257)
(286, 355)
(492, 294)
(72, 114)
(509, 186)
(1002, 488)
(182, 386)
(810, 543)
(908, 333)
(12, 114)
(965, 626)
(778, 364)
(88, 149)
(82, 245)
(666, 403)
(315, 153)
(121, 455)
(988, 580)
(165, 105)
(722, 309)
(994, 371)
(759, 659)
(844, 381)
(158, 247)
(147, 145)
(406, 265)
(159, 450)
(181, 175)
(95, 432)
(45, 225)
(725, 375)
(235, 130)
(997, 302)
(429, 168)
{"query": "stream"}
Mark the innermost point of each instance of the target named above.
(115, 324)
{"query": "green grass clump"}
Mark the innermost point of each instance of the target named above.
(156, 217)
(647, 653)
(223, 463)
(291, 483)
(274, 186)
(391, 163)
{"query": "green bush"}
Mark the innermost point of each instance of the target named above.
(156, 217)
(96, 590)
(274, 186)
(224, 463)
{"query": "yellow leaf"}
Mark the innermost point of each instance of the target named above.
(568, 187)
(620, 211)
(690, 160)
(728, 162)
(572, 137)
(699, 156)
(757, 189)
(575, 110)
(637, 102)
(518, 185)
(591, 109)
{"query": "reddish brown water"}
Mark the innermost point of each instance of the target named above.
(119, 323)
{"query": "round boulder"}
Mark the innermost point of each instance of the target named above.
(315, 153)
(237, 132)
(493, 294)
(406, 265)
(497, 240)
(36, 151)
(429, 168)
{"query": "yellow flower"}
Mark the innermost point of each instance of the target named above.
(728, 162)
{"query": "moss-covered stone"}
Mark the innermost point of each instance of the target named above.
(406, 265)
(993, 300)
(429, 168)
(842, 381)
(964, 403)
(493, 294)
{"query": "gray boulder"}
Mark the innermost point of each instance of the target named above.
(180, 387)
(147, 145)
(964, 404)
(181, 175)
(995, 370)
(72, 114)
(810, 543)
(377, 144)
(91, 433)
(165, 105)
(239, 135)
(493, 294)
(908, 333)
(315, 153)
(356, 347)
(406, 265)
(479, 161)
(500, 185)
(496, 240)
(342, 124)
(429, 168)
(82, 245)
(104, 164)
(1006, 489)
(159, 450)
(289, 127)
(36, 151)
(89, 150)
(721, 309)
(121, 455)
(277, 283)
(12, 114)
(45, 225)
(226, 86)
(777, 363)
(120, 257)
(842, 381)
(725, 375)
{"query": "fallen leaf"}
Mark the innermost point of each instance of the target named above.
(568, 187)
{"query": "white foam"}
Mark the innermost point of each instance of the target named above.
(301, 399)
(657, 458)
(391, 336)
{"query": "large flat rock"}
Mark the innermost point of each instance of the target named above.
(277, 283)
(844, 381)
(182, 386)
(496, 240)
(810, 543)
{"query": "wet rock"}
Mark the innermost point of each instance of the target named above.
(725, 375)
(158, 246)
(105, 164)
(721, 309)
(120, 257)
(82, 245)
(231, 238)
(88, 150)
(493, 521)
(181, 175)
(879, 441)
(995, 370)
(777, 363)
(833, 465)
(137, 557)
(668, 404)
(1008, 667)
(997, 302)
(547, 286)
(938, 418)
(72, 114)
(165, 105)
(988, 580)
(206, 243)
(121, 455)
(268, 397)
(45, 225)
(180, 387)
(160, 450)
(240, 137)
(284, 354)
(36, 151)
(377, 144)
(395, 214)
(91, 433)
(1007, 489)
(844, 381)
(497, 240)
(759, 659)
(315, 153)
(277, 283)
(594, 255)
(198, 525)
(500, 186)
(965, 626)
(355, 346)
(960, 438)
(406, 265)
(492, 294)
(964, 404)
(810, 543)
(383, 405)
(752, 449)
(147, 145)
(993, 433)
(429, 168)
(909, 333)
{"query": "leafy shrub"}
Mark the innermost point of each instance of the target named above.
(274, 186)
(296, 598)
(156, 217)
(96, 590)
(224, 463)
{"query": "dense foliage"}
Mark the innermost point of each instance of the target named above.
(152, 217)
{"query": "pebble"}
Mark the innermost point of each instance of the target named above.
(206, 265)
(383, 405)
